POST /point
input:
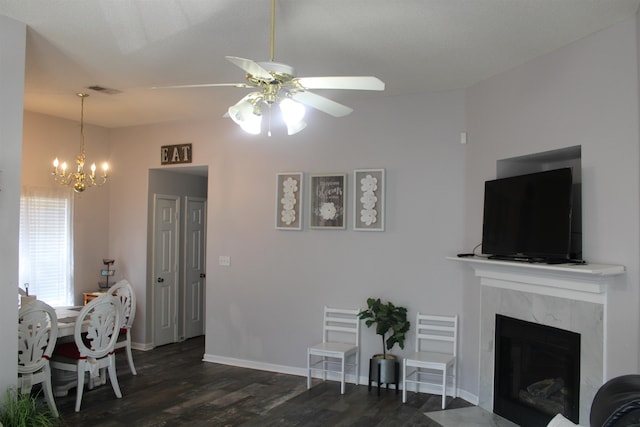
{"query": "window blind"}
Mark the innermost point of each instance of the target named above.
(46, 244)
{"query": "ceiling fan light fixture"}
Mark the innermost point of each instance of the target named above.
(292, 111)
(252, 125)
(277, 84)
(246, 113)
(294, 128)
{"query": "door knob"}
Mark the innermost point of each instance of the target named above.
(160, 280)
(202, 275)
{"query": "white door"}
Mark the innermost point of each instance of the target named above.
(165, 268)
(195, 243)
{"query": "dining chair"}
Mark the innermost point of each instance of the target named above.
(436, 351)
(124, 291)
(37, 334)
(94, 350)
(340, 341)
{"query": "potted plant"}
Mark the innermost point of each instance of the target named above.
(23, 410)
(392, 325)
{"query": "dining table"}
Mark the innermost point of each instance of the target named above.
(67, 320)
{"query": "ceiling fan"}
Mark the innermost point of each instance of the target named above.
(277, 84)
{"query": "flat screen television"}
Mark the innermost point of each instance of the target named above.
(528, 217)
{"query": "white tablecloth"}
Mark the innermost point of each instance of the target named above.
(67, 320)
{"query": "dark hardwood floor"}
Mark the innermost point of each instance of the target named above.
(175, 387)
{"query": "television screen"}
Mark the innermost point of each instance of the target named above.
(529, 216)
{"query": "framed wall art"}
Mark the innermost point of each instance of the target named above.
(289, 201)
(368, 199)
(327, 201)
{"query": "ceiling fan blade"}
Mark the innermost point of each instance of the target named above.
(250, 67)
(321, 103)
(343, 82)
(205, 85)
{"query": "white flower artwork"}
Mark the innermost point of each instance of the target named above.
(328, 210)
(369, 200)
(289, 188)
(327, 194)
(368, 213)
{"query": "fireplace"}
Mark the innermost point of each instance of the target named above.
(569, 297)
(537, 372)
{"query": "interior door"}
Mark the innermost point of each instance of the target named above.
(195, 276)
(165, 268)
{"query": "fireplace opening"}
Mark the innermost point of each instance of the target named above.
(537, 372)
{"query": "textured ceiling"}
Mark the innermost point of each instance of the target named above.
(412, 45)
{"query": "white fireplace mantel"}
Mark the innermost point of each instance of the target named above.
(584, 282)
(564, 296)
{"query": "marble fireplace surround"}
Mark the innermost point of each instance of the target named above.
(571, 297)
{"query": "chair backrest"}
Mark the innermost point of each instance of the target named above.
(437, 333)
(341, 325)
(37, 334)
(100, 318)
(124, 291)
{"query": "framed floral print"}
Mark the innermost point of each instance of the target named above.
(368, 200)
(289, 201)
(327, 201)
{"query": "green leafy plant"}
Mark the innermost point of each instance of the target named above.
(388, 319)
(22, 410)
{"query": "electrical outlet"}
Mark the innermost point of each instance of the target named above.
(224, 260)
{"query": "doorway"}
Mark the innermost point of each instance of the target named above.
(177, 253)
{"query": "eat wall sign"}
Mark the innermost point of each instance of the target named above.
(174, 154)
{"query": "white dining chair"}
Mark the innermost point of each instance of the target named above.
(37, 334)
(340, 342)
(94, 350)
(436, 351)
(124, 292)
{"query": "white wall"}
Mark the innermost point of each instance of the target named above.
(267, 306)
(12, 56)
(586, 94)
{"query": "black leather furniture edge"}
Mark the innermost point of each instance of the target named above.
(617, 403)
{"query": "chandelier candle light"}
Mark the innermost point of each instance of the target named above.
(79, 179)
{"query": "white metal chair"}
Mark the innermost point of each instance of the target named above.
(340, 341)
(439, 335)
(124, 291)
(93, 350)
(37, 334)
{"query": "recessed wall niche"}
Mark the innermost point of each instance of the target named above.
(549, 160)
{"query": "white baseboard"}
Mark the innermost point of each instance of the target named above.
(471, 398)
(250, 364)
(270, 367)
(141, 346)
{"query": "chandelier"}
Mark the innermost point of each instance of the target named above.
(79, 179)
